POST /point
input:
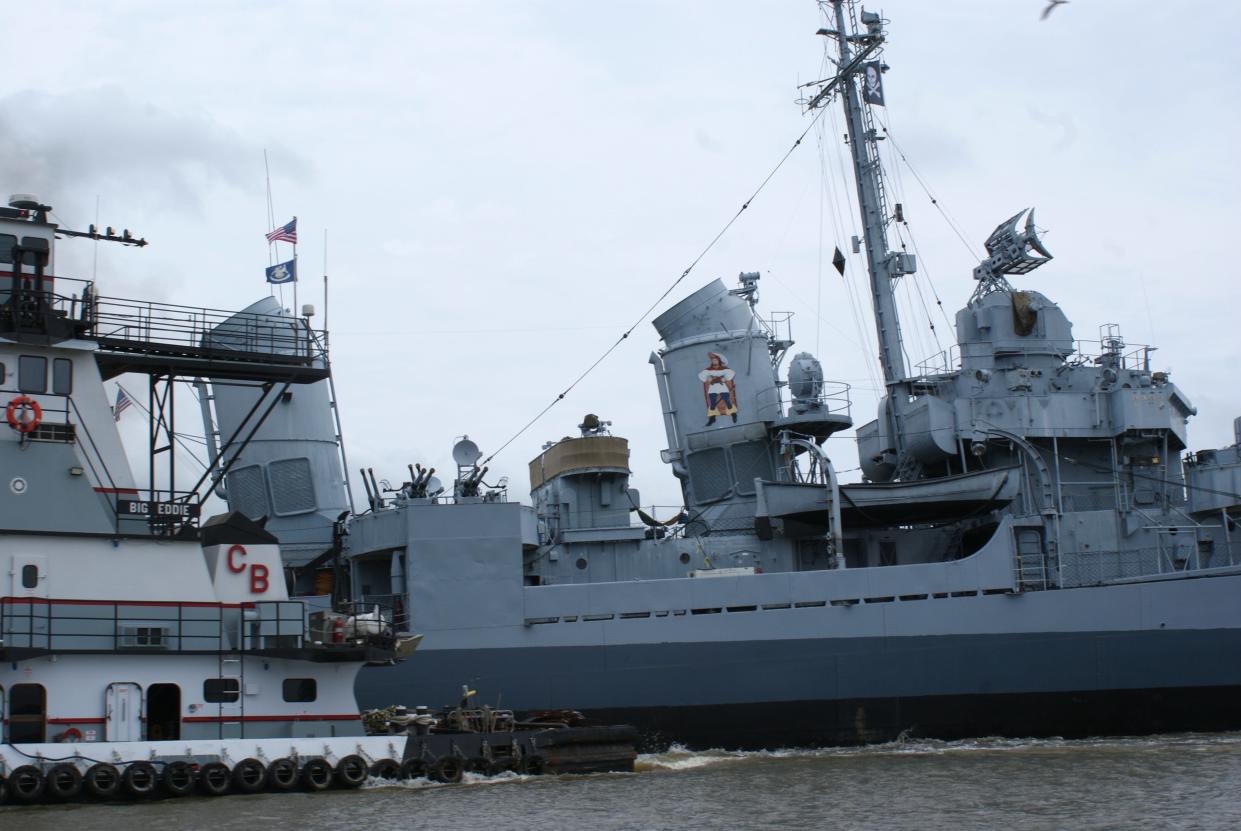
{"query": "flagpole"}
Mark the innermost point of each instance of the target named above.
(325, 329)
(297, 310)
(271, 216)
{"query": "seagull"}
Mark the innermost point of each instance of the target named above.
(1051, 4)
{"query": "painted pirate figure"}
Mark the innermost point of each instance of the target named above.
(718, 390)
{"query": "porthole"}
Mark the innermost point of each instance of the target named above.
(581, 562)
(30, 576)
(684, 558)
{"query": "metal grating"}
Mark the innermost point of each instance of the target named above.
(1092, 568)
(292, 489)
(708, 471)
(247, 493)
(751, 460)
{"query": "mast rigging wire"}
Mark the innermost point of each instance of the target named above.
(625, 335)
(927, 190)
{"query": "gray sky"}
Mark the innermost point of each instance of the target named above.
(506, 186)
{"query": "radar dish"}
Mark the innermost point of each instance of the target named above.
(465, 452)
(434, 486)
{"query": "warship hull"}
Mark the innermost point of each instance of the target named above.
(1122, 659)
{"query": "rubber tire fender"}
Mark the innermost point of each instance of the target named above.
(316, 775)
(140, 779)
(447, 769)
(177, 779)
(351, 771)
(64, 782)
(249, 776)
(26, 784)
(102, 781)
(386, 769)
(214, 779)
(413, 769)
(282, 775)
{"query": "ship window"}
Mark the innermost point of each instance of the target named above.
(62, 376)
(30, 576)
(1, 373)
(27, 713)
(300, 689)
(221, 690)
(32, 373)
(7, 241)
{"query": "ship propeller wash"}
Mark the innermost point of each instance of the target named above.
(1031, 551)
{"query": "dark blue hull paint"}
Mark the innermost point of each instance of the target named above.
(848, 690)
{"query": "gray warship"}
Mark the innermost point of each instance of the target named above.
(1032, 550)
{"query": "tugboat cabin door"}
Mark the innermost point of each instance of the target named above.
(123, 711)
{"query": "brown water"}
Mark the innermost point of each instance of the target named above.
(1170, 782)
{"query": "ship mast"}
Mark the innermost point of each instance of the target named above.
(885, 267)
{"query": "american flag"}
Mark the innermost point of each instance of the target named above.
(285, 233)
(122, 403)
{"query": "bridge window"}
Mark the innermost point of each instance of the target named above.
(62, 376)
(32, 373)
(221, 690)
(300, 689)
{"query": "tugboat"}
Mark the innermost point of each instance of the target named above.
(142, 651)
(1030, 551)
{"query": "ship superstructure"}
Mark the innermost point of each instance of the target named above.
(142, 649)
(1029, 552)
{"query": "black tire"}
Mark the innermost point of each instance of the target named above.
(413, 769)
(316, 775)
(282, 775)
(177, 779)
(447, 769)
(4, 789)
(139, 780)
(386, 769)
(249, 776)
(102, 781)
(534, 765)
(214, 779)
(64, 782)
(351, 771)
(26, 784)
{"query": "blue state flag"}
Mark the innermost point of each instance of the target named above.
(283, 273)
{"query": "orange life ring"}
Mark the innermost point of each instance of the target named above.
(23, 424)
(71, 735)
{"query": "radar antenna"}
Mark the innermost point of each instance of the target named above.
(1010, 251)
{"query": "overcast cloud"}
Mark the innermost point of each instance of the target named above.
(506, 186)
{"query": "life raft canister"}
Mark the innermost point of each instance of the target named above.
(22, 423)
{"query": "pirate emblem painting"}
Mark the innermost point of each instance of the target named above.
(718, 391)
